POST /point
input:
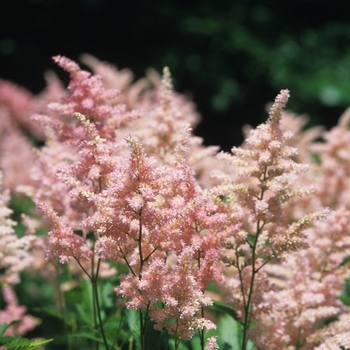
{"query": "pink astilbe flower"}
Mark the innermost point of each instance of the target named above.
(309, 284)
(16, 169)
(167, 199)
(16, 313)
(303, 138)
(113, 78)
(181, 296)
(176, 288)
(14, 257)
(149, 211)
(138, 199)
(160, 130)
(87, 96)
(20, 104)
(89, 173)
(75, 163)
(262, 182)
(337, 334)
(87, 93)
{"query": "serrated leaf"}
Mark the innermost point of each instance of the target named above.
(22, 343)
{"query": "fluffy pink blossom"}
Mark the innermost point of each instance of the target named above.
(139, 198)
(308, 286)
(20, 104)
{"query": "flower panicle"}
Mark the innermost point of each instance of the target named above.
(281, 100)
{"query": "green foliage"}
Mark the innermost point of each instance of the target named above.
(22, 343)
(224, 309)
(230, 334)
(345, 296)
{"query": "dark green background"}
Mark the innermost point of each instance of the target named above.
(231, 56)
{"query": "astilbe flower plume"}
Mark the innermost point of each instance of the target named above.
(262, 182)
(149, 213)
(307, 287)
(89, 97)
(116, 202)
(164, 113)
(77, 156)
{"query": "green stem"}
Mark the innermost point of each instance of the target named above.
(96, 303)
(61, 304)
(247, 301)
(201, 331)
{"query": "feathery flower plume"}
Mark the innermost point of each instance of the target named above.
(262, 182)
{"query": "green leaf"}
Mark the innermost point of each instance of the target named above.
(182, 346)
(88, 335)
(133, 321)
(225, 309)
(106, 294)
(230, 334)
(22, 343)
(3, 328)
(48, 311)
(155, 340)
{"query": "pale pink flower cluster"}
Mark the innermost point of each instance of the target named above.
(14, 257)
(135, 189)
(263, 181)
(16, 107)
(121, 178)
(308, 284)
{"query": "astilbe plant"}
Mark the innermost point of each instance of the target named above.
(262, 182)
(144, 210)
(124, 187)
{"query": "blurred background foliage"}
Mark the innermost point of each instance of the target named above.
(231, 57)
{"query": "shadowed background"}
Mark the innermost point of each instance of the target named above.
(232, 57)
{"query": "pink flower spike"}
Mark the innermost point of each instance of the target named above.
(67, 64)
(281, 100)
